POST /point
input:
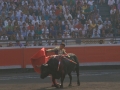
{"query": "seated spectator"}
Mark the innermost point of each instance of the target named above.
(27, 43)
(111, 41)
(50, 36)
(84, 7)
(35, 20)
(75, 21)
(87, 11)
(100, 25)
(89, 32)
(56, 26)
(40, 43)
(55, 42)
(53, 32)
(103, 33)
(83, 20)
(79, 25)
(93, 25)
(111, 2)
(73, 32)
(4, 37)
(46, 16)
(110, 34)
(71, 25)
(35, 43)
(101, 2)
(67, 15)
(24, 2)
(67, 30)
(30, 34)
(53, 16)
(38, 33)
(30, 27)
(112, 14)
(73, 12)
(10, 34)
(58, 11)
(24, 33)
(15, 23)
(45, 31)
(71, 2)
(19, 36)
(59, 36)
(10, 44)
(18, 43)
(6, 21)
(60, 30)
(90, 2)
(20, 22)
(48, 43)
(66, 35)
(107, 21)
(97, 19)
(95, 34)
(9, 26)
(84, 31)
(43, 21)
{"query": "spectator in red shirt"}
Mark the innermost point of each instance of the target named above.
(79, 25)
(30, 27)
(57, 11)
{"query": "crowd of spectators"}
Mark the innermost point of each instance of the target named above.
(51, 19)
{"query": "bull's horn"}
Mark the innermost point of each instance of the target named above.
(45, 64)
(38, 66)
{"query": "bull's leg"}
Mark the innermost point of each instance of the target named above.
(54, 82)
(62, 79)
(78, 78)
(70, 76)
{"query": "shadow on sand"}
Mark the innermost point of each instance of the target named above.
(53, 88)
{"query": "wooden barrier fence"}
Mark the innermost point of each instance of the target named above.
(87, 55)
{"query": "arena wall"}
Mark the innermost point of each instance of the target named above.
(87, 55)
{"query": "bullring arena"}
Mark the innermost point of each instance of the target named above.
(107, 77)
(89, 28)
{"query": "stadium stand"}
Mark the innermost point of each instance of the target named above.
(45, 21)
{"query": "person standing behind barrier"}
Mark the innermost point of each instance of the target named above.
(19, 44)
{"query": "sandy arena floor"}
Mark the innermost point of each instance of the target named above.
(90, 80)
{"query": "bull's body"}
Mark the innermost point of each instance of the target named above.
(66, 67)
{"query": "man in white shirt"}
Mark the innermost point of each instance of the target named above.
(24, 2)
(111, 2)
(90, 2)
(107, 21)
(45, 31)
(66, 35)
(6, 21)
(35, 21)
(4, 37)
(67, 15)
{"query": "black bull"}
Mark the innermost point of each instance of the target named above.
(66, 67)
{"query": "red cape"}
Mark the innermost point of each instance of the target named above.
(39, 58)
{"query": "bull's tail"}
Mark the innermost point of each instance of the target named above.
(76, 60)
(77, 69)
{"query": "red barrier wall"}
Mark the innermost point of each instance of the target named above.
(91, 54)
(10, 57)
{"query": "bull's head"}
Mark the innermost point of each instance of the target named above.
(44, 71)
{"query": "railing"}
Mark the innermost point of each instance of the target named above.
(68, 41)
